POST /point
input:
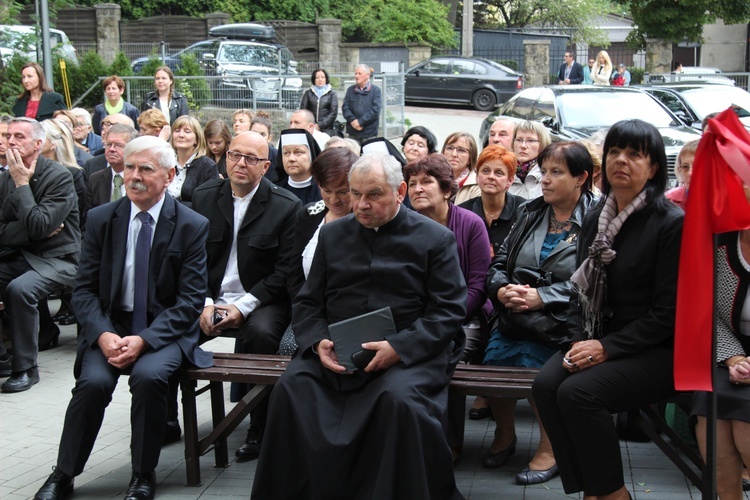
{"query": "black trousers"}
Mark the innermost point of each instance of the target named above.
(576, 410)
(149, 382)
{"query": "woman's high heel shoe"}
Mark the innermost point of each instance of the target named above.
(495, 460)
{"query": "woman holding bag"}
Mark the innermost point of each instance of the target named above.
(529, 284)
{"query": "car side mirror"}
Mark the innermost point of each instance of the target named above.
(551, 123)
(208, 56)
(415, 72)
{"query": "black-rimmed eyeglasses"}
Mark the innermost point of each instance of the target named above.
(250, 160)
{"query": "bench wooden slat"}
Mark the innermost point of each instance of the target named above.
(265, 370)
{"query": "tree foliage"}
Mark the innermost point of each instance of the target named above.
(577, 14)
(675, 21)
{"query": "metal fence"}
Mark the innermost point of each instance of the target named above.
(215, 97)
(131, 50)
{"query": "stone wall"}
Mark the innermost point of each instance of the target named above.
(329, 42)
(536, 62)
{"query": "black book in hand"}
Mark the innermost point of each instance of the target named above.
(349, 335)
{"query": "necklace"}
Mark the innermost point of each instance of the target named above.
(557, 226)
(492, 216)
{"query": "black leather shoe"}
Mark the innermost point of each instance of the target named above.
(5, 369)
(745, 484)
(56, 487)
(250, 450)
(21, 381)
(480, 413)
(172, 432)
(527, 476)
(142, 485)
(495, 460)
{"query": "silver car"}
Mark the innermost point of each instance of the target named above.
(22, 39)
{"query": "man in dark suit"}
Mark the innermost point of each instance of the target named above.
(249, 255)
(39, 244)
(138, 297)
(570, 72)
(104, 185)
(377, 432)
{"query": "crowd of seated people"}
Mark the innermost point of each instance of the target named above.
(537, 225)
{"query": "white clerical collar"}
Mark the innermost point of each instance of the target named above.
(300, 184)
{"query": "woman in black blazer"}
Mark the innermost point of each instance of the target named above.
(620, 354)
(193, 166)
(37, 101)
(165, 98)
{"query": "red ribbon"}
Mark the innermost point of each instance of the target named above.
(716, 203)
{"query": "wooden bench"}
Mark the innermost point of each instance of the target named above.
(265, 370)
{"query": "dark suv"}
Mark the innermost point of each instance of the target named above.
(246, 73)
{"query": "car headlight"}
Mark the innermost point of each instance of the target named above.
(293, 82)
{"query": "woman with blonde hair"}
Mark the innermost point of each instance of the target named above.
(153, 122)
(529, 139)
(602, 69)
(193, 166)
(165, 98)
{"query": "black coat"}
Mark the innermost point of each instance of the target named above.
(576, 73)
(201, 170)
(264, 239)
(325, 109)
(365, 108)
(49, 103)
(178, 105)
(641, 281)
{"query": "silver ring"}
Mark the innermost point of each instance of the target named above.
(591, 358)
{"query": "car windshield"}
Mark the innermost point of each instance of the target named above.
(709, 100)
(604, 109)
(247, 54)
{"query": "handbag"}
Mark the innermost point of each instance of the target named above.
(542, 326)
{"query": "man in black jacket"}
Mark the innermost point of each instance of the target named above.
(362, 104)
(570, 72)
(249, 253)
(40, 239)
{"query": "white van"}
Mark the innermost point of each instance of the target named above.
(21, 39)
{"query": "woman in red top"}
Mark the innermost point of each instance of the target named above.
(37, 101)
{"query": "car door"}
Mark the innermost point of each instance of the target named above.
(427, 82)
(465, 78)
(674, 103)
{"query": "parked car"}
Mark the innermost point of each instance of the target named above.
(21, 39)
(459, 80)
(573, 112)
(691, 102)
(249, 68)
(703, 74)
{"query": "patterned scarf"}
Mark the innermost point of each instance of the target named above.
(591, 277)
(524, 168)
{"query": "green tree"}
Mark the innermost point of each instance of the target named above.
(675, 21)
(577, 14)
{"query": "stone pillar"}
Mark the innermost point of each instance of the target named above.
(658, 56)
(107, 30)
(417, 54)
(536, 62)
(215, 19)
(329, 44)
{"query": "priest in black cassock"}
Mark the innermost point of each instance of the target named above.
(377, 433)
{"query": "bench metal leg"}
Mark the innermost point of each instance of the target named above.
(190, 418)
(672, 447)
(221, 452)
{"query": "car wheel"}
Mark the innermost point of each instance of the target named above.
(484, 100)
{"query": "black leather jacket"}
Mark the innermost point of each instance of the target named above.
(325, 109)
(178, 106)
(522, 247)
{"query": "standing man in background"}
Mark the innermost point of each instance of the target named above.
(570, 72)
(362, 105)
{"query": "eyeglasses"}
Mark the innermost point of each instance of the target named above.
(81, 125)
(684, 168)
(106, 123)
(114, 145)
(250, 160)
(530, 142)
(454, 149)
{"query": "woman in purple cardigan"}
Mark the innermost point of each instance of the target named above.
(431, 186)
